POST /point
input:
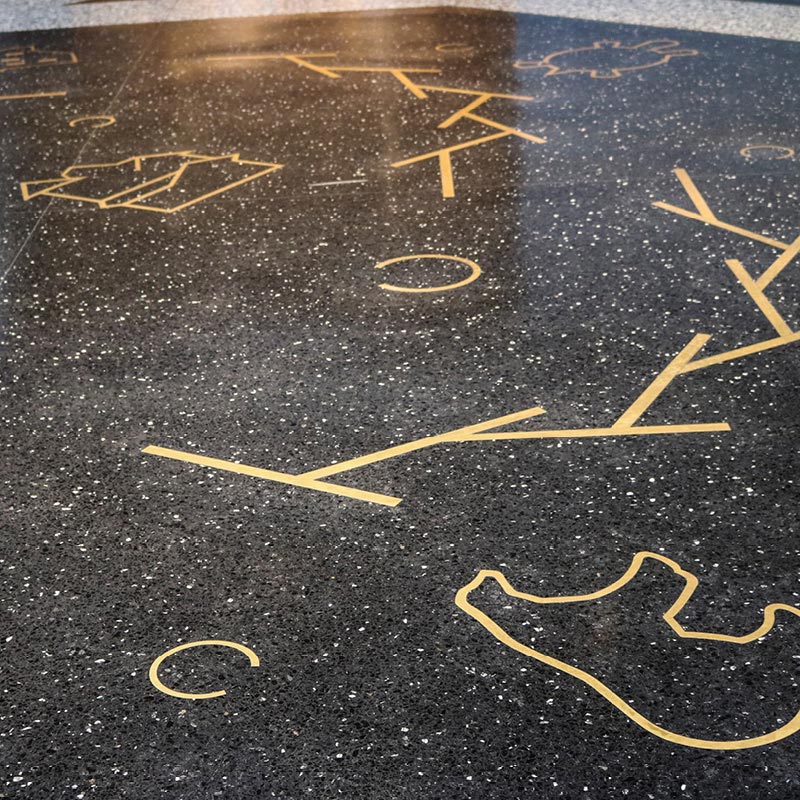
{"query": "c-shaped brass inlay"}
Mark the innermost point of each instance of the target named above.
(782, 732)
(154, 667)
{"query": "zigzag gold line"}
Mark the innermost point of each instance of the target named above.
(782, 732)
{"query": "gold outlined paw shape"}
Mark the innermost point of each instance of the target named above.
(160, 182)
(12, 58)
(609, 58)
(463, 602)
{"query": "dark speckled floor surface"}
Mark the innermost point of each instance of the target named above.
(533, 280)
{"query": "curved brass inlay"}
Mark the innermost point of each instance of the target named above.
(154, 667)
(454, 47)
(475, 272)
(787, 151)
(108, 120)
(669, 617)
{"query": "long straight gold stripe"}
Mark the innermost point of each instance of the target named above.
(588, 433)
(30, 96)
(267, 56)
(446, 170)
(271, 475)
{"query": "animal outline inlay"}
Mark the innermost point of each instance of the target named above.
(663, 50)
(462, 601)
(154, 175)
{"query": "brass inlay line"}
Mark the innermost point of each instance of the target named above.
(741, 352)
(754, 286)
(469, 433)
(661, 381)
(780, 263)
(475, 272)
(418, 90)
(268, 56)
(30, 56)
(759, 298)
(463, 602)
(456, 90)
(704, 213)
(483, 431)
(454, 47)
(304, 480)
(788, 152)
(154, 186)
(31, 96)
(467, 112)
(154, 667)
(589, 433)
(303, 62)
(665, 48)
(476, 103)
(103, 121)
(694, 194)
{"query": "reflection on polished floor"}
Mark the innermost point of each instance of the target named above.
(399, 400)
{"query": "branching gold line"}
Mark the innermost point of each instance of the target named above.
(694, 195)
(271, 475)
(769, 615)
(662, 380)
(476, 92)
(478, 101)
(778, 265)
(759, 298)
(29, 96)
(510, 131)
(301, 62)
(724, 225)
(409, 84)
(741, 352)
(459, 435)
(462, 146)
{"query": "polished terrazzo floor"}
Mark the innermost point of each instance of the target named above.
(399, 402)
